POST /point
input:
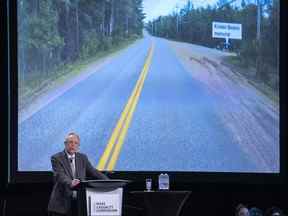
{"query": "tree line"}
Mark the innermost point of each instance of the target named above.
(52, 33)
(194, 25)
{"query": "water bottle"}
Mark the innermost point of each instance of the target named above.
(160, 181)
(166, 181)
(163, 181)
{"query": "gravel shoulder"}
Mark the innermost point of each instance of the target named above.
(251, 116)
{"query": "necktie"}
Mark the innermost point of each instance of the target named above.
(72, 164)
(73, 168)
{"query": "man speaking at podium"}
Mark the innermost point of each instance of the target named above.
(69, 167)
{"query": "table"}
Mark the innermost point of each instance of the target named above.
(162, 203)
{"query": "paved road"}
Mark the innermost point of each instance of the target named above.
(176, 125)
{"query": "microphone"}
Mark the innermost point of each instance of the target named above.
(71, 160)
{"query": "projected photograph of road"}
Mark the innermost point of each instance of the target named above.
(148, 85)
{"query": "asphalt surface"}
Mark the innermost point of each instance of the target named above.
(176, 126)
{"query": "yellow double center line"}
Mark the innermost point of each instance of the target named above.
(110, 156)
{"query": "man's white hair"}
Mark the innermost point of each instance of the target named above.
(71, 134)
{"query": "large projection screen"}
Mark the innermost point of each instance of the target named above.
(174, 85)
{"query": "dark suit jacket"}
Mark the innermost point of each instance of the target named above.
(60, 200)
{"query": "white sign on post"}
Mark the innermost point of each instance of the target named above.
(227, 30)
(104, 203)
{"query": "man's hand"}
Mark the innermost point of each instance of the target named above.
(75, 182)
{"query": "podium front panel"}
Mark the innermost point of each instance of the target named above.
(104, 203)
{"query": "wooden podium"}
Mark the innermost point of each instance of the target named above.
(100, 197)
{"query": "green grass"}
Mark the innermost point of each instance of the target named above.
(235, 61)
(36, 85)
(249, 72)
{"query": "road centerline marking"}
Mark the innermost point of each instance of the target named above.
(113, 148)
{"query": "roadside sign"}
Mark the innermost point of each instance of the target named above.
(227, 30)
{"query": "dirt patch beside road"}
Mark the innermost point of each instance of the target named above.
(251, 116)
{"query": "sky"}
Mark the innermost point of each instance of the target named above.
(155, 8)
